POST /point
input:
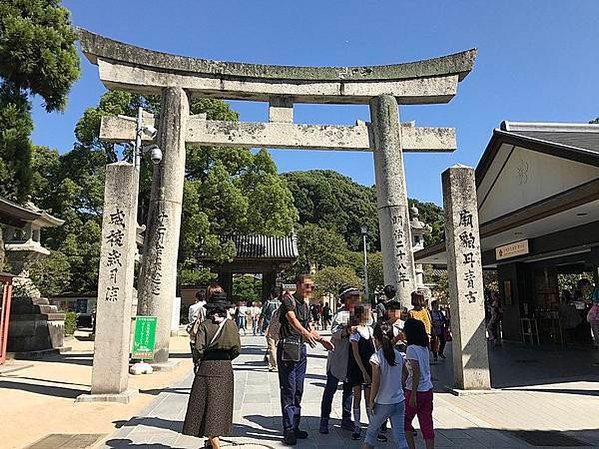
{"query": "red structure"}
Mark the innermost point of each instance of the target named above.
(6, 281)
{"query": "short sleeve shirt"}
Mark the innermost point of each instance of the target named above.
(302, 312)
(390, 388)
(419, 354)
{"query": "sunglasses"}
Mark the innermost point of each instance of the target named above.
(309, 287)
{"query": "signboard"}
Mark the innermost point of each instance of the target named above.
(145, 337)
(512, 250)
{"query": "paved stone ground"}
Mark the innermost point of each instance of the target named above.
(481, 421)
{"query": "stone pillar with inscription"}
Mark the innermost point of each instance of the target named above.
(115, 286)
(158, 276)
(462, 240)
(392, 199)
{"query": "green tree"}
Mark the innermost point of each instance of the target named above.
(330, 279)
(37, 57)
(335, 202)
(319, 247)
(246, 288)
(52, 274)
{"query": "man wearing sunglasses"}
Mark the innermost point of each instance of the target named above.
(291, 355)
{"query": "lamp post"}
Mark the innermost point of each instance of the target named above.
(364, 230)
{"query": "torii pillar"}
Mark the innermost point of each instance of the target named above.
(158, 274)
(392, 197)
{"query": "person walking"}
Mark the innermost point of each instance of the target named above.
(420, 312)
(197, 315)
(359, 371)
(419, 384)
(326, 315)
(439, 323)
(593, 318)
(271, 328)
(337, 361)
(255, 311)
(291, 355)
(242, 310)
(386, 394)
(494, 326)
(210, 407)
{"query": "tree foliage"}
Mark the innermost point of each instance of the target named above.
(37, 57)
(319, 247)
(245, 288)
(335, 202)
(330, 279)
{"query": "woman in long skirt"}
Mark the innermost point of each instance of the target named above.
(210, 407)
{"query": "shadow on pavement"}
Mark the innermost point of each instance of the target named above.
(47, 390)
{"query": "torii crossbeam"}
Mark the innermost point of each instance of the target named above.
(176, 78)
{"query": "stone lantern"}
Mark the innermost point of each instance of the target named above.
(419, 230)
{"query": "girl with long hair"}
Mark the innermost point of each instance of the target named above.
(386, 393)
(419, 384)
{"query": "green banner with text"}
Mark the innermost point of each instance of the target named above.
(145, 337)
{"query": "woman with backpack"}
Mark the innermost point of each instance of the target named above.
(210, 408)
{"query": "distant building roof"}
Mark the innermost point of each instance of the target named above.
(13, 214)
(583, 136)
(263, 247)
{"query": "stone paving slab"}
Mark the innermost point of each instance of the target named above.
(469, 422)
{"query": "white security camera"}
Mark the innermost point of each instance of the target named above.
(150, 130)
(155, 153)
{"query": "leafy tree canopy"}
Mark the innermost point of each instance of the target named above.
(37, 57)
(37, 51)
(335, 202)
(330, 279)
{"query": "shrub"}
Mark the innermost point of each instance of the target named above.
(70, 323)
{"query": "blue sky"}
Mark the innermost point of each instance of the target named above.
(538, 61)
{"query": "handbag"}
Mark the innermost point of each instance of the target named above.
(291, 349)
(448, 336)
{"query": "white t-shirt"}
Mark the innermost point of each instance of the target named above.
(420, 354)
(390, 388)
(398, 327)
(364, 332)
(195, 310)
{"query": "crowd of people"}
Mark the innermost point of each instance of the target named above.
(382, 357)
(579, 313)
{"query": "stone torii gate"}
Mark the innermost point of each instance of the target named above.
(176, 78)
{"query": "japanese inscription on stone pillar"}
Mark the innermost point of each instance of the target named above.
(401, 251)
(115, 280)
(464, 266)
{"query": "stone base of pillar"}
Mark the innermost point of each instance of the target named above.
(122, 398)
(171, 365)
(460, 392)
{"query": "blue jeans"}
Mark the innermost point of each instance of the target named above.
(327, 398)
(382, 412)
(291, 382)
